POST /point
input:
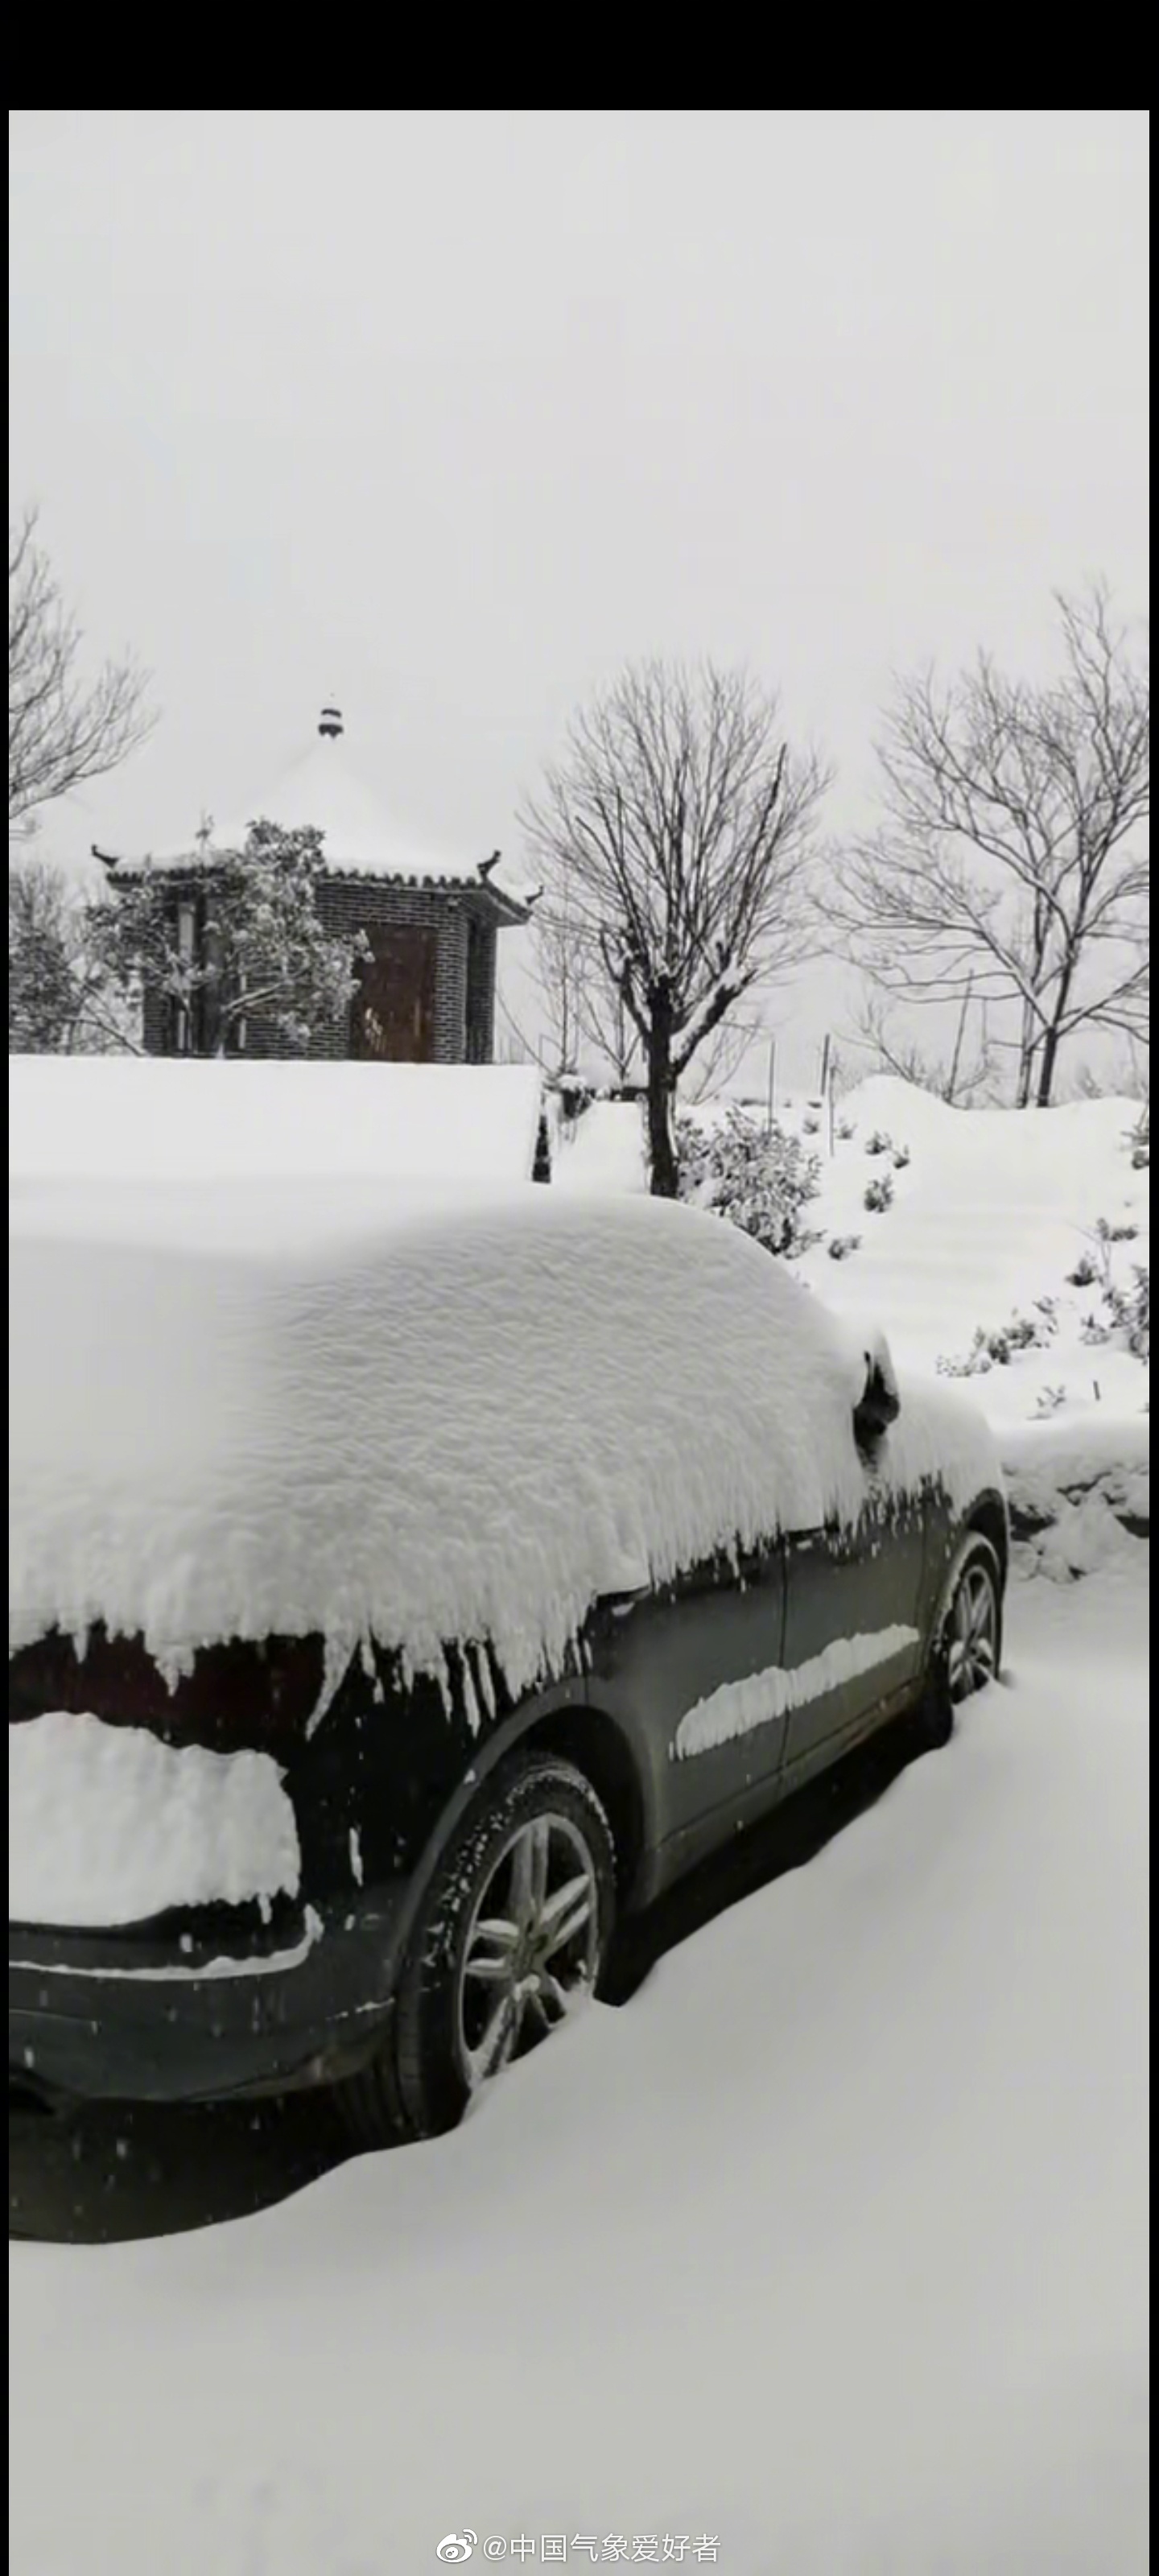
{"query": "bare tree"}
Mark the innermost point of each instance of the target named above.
(967, 1074)
(718, 1059)
(561, 969)
(682, 824)
(63, 729)
(1010, 860)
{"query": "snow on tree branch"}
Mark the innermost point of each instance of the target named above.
(262, 952)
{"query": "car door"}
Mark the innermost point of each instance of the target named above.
(853, 1626)
(691, 1674)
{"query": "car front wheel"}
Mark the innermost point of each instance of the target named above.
(512, 1935)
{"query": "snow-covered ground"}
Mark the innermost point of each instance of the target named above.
(829, 2249)
(989, 1212)
(989, 1215)
(992, 1211)
(601, 1152)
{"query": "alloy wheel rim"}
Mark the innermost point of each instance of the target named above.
(532, 1946)
(973, 1634)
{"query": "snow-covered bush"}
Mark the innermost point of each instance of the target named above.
(1125, 1316)
(879, 1142)
(758, 1177)
(879, 1195)
(1134, 1312)
(996, 1349)
(1139, 1140)
(61, 1000)
(901, 1158)
(843, 1246)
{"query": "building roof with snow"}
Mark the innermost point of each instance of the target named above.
(360, 839)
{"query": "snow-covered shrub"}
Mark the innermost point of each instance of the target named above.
(1139, 1140)
(879, 1142)
(991, 1350)
(847, 1130)
(758, 1177)
(843, 1246)
(1051, 1400)
(1134, 1312)
(901, 1158)
(810, 1126)
(266, 953)
(879, 1195)
(1125, 1316)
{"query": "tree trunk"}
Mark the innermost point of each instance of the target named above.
(1052, 1040)
(1046, 1067)
(1026, 1055)
(959, 1043)
(663, 1168)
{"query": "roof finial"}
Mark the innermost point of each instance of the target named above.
(330, 724)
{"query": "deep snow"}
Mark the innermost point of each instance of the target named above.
(992, 1211)
(831, 2246)
(128, 1118)
(247, 1413)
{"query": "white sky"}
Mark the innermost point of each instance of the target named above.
(449, 412)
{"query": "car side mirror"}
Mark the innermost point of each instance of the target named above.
(878, 1405)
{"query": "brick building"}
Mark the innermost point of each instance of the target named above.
(426, 994)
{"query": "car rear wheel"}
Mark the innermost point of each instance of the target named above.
(967, 1653)
(512, 1935)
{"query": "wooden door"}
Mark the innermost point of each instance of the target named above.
(394, 1008)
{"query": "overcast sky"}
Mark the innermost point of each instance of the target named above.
(448, 413)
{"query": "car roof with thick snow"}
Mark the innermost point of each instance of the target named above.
(244, 1411)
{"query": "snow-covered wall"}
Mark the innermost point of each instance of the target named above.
(131, 1118)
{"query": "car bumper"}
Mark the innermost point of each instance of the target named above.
(190, 2009)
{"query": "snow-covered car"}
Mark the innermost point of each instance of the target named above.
(396, 1600)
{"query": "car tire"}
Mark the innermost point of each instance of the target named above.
(966, 1654)
(514, 1928)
